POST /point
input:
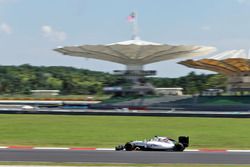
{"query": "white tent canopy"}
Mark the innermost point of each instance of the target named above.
(135, 51)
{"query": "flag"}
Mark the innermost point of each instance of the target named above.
(131, 17)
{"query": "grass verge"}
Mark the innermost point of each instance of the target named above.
(109, 131)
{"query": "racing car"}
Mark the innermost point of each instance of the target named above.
(157, 143)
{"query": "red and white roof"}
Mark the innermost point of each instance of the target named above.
(229, 62)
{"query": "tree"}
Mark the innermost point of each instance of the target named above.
(22, 79)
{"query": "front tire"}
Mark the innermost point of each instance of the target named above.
(119, 147)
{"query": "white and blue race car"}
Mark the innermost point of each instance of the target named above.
(157, 143)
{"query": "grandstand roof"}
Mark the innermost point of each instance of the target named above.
(228, 63)
(135, 51)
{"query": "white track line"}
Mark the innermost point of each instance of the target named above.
(105, 149)
(238, 151)
(3, 147)
(51, 148)
(191, 150)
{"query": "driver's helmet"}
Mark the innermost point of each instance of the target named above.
(163, 139)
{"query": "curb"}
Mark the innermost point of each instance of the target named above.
(106, 149)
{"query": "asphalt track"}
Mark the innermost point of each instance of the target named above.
(69, 156)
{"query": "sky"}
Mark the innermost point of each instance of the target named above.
(31, 29)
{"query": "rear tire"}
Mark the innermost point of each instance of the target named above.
(179, 147)
(129, 147)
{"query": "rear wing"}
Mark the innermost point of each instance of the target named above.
(184, 140)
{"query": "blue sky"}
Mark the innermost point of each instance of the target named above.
(31, 29)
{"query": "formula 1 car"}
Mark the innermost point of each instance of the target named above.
(157, 143)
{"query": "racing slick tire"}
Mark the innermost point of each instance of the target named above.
(119, 147)
(129, 147)
(179, 147)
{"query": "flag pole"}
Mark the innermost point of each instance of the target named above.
(135, 27)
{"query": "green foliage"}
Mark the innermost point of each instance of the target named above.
(22, 79)
(218, 81)
(192, 83)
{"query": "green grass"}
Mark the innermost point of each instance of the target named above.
(108, 131)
